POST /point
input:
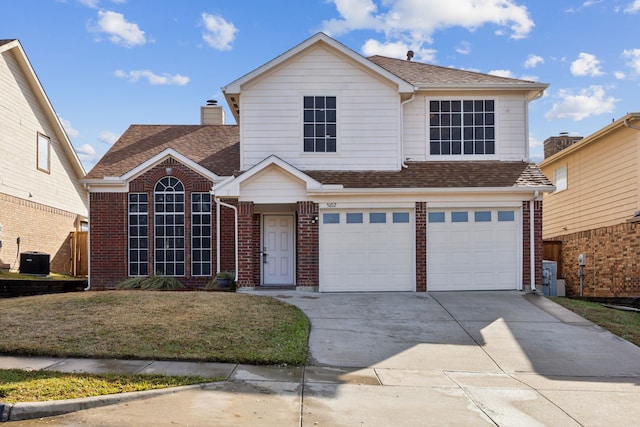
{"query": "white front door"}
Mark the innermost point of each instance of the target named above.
(278, 252)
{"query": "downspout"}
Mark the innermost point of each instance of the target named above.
(86, 187)
(235, 211)
(532, 246)
(413, 96)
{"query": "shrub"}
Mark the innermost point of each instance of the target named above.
(152, 283)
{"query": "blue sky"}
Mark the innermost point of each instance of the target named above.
(107, 64)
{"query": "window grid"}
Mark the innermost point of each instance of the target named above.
(169, 227)
(462, 127)
(200, 234)
(319, 122)
(138, 239)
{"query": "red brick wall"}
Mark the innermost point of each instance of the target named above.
(421, 247)
(526, 237)
(246, 248)
(108, 226)
(107, 239)
(613, 267)
(40, 228)
(307, 260)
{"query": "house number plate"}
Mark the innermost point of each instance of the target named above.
(331, 205)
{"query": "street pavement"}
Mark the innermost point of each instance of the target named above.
(391, 359)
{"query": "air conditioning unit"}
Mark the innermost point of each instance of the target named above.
(34, 263)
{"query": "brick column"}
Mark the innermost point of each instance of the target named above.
(246, 258)
(526, 242)
(307, 259)
(421, 246)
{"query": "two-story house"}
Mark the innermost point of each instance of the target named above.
(343, 173)
(43, 205)
(595, 209)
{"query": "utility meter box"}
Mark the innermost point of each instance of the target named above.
(550, 278)
(582, 260)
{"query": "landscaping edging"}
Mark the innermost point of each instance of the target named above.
(10, 288)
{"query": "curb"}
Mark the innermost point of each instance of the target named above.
(30, 410)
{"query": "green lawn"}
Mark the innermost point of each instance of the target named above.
(625, 324)
(195, 326)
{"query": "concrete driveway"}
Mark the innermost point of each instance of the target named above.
(406, 359)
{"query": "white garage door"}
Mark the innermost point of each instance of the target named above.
(367, 250)
(472, 249)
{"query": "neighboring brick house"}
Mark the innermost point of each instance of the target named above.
(595, 209)
(41, 198)
(344, 173)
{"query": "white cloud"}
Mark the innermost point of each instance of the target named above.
(533, 61)
(463, 48)
(219, 33)
(586, 65)
(71, 132)
(590, 101)
(416, 21)
(153, 78)
(86, 150)
(620, 75)
(633, 55)
(397, 50)
(633, 7)
(107, 137)
(118, 29)
(89, 3)
(502, 73)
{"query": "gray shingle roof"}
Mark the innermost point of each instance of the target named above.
(419, 74)
(215, 148)
(449, 174)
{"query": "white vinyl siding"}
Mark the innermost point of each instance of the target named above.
(272, 185)
(368, 115)
(510, 127)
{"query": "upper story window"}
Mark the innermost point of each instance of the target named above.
(43, 153)
(319, 124)
(462, 127)
(560, 178)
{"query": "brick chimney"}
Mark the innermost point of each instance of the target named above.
(553, 144)
(212, 113)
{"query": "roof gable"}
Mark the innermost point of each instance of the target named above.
(213, 148)
(232, 90)
(14, 47)
(231, 187)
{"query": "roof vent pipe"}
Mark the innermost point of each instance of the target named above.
(212, 102)
(409, 55)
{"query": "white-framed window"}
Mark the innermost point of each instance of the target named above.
(320, 124)
(43, 148)
(138, 239)
(462, 127)
(200, 234)
(169, 227)
(560, 178)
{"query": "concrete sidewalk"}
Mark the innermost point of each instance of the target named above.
(463, 358)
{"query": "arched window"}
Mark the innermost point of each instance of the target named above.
(169, 241)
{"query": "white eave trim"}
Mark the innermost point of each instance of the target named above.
(235, 86)
(162, 156)
(231, 187)
(426, 191)
(121, 183)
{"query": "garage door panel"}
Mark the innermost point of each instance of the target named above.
(472, 255)
(368, 256)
